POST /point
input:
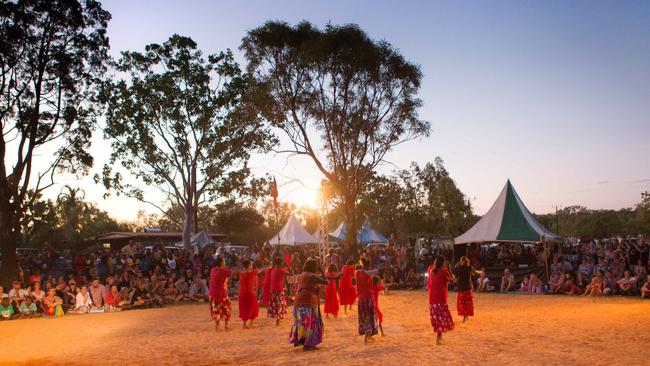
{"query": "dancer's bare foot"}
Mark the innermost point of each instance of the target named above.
(439, 341)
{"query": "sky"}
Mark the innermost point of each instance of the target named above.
(553, 95)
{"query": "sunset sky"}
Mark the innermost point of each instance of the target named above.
(553, 95)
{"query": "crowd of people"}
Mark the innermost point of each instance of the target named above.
(608, 267)
(52, 283)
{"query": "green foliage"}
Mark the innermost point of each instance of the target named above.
(578, 221)
(66, 222)
(52, 55)
(178, 124)
(417, 201)
(337, 90)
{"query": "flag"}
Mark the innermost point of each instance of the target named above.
(274, 193)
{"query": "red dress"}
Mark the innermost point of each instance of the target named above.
(220, 307)
(248, 306)
(277, 301)
(346, 290)
(266, 287)
(376, 289)
(331, 297)
(437, 283)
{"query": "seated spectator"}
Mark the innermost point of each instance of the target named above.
(71, 292)
(525, 285)
(17, 294)
(114, 301)
(570, 288)
(183, 289)
(482, 282)
(609, 284)
(626, 284)
(28, 309)
(507, 281)
(52, 304)
(141, 297)
(83, 302)
(198, 290)
(97, 294)
(6, 310)
(645, 289)
(171, 293)
(38, 295)
(535, 284)
(555, 283)
(594, 288)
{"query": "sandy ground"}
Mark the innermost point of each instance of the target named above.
(508, 330)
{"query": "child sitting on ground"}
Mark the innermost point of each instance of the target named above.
(594, 288)
(6, 310)
(28, 308)
(525, 285)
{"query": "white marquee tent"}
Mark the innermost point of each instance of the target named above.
(293, 233)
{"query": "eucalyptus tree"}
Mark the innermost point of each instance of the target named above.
(177, 124)
(343, 99)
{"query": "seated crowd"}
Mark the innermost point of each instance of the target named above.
(593, 268)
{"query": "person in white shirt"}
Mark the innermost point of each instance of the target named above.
(83, 302)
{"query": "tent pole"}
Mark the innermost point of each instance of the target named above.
(546, 256)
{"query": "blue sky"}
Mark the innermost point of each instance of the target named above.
(554, 95)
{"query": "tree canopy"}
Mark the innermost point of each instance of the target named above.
(177, 124)
(343, 99)
(52, 55)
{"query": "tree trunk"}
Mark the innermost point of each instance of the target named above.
(8, 240)
(351, 221)
(188, 225)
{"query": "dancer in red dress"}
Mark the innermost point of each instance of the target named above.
(437, 283)
(378, 287)
(277, 302)
(347, 292)
(220, 307)
(331, 296)
(248, 305)
(465, 302)
(366, 304)
(266, 286)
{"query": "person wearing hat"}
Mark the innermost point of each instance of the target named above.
(6, 310)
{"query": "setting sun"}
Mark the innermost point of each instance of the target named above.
(303, 197)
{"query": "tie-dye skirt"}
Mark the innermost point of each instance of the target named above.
(307, 329)
(367, 316)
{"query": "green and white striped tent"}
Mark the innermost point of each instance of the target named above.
(508, 220)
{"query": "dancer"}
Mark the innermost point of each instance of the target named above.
(331, 296)
(347, 292)
(378, 287)
(277, 302)
(366, 305)
(307, 329)
(220, 307)
(465, 301)
(248, 305)
(266, 286)
(438, 280)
